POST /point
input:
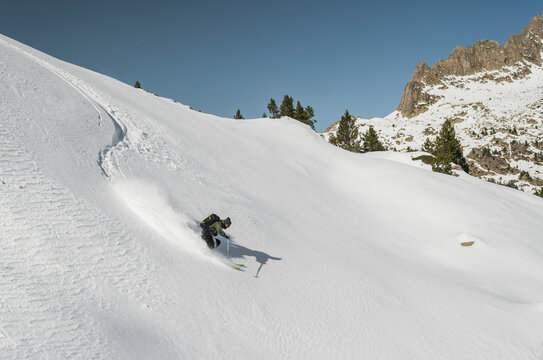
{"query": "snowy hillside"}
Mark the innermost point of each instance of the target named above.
(504, 117)
(348, 256)
(497, 110)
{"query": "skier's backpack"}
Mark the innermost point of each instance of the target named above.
(210, 220)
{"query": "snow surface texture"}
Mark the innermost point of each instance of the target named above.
(349, 256)
(485, 108)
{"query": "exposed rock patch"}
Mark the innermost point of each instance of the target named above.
(488, 162)
(484, 55)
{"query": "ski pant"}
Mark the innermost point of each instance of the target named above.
(208, 237)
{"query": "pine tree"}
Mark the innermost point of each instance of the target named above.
(272, 108)
(428, 146)
(371, 141)
(442, 163)
(264, 115)
(347, 134)
(309, 113)
(446, 149)
(287, 107)
(238, 115)
(304, 115)
(299, 113)
(137, 85)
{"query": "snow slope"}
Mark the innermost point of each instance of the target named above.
(349, 256)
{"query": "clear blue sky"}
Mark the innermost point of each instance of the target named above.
(219, 56)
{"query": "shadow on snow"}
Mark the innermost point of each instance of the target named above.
(240, 252)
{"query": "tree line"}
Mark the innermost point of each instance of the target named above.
(304, 115)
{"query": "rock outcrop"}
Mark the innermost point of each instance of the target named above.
(492, 94)
(485, 55)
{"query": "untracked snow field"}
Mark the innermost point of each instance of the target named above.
(349, 256)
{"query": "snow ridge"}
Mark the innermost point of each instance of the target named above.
(150, 147)
(107, 158)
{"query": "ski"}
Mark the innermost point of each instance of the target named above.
(240, 267)
(236, 266)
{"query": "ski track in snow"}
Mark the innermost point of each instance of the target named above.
(43, 274)
(106, 158)
(129, 132)
(151, 205)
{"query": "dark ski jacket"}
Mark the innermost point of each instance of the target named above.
(216, 228)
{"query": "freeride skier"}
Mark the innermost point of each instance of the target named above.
(213, 226)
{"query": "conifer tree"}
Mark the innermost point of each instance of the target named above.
(272, 108)
(304, 115)
(309, 113)
(428, 146)
(446, 149)
(238, 115)
(347, 134)
(137, 85)
(287, 107)
(371, 141)
(264, 115)
(299, 113)
(442, 163)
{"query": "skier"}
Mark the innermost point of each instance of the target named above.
(213, 226)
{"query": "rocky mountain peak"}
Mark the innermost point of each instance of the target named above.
(485, 55)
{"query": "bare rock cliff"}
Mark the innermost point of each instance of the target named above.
(484, 55)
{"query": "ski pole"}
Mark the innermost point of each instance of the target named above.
(227, 248)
